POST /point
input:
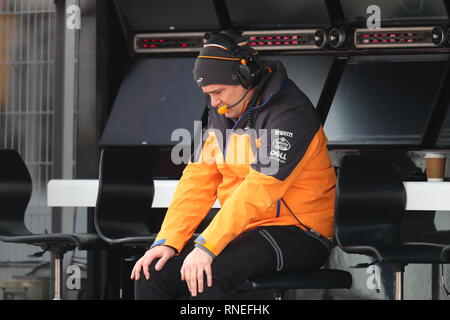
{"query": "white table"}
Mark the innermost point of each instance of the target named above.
(83, 193)
(422, 195)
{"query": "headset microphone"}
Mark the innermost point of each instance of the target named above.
(225, 108)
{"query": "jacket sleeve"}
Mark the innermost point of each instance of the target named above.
(275, 169)
(194, 196)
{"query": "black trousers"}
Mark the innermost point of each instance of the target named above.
(260, 251)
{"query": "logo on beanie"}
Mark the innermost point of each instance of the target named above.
(199, 80)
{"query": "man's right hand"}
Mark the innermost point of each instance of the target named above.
(162, 252)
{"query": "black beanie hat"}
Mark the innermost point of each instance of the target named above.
(216, 64)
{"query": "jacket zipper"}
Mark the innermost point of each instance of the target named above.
(246, 112)
(278, 208)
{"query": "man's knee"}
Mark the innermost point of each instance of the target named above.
(151, 270)
(152, 288)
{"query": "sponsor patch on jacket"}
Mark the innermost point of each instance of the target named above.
(284, 133)
(281, 144)
(278, 156)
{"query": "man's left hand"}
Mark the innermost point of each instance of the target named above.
(194, 266)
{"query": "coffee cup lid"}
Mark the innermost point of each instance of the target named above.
(435, 156)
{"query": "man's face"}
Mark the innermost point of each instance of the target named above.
(221, 94)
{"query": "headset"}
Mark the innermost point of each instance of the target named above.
(248, 69)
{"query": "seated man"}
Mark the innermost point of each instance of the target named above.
(265, 159)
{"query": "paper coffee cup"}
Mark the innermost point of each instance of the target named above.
(435, 164)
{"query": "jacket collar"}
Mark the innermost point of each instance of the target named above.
(276, 81)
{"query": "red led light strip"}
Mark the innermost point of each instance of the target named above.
(397, 37)
(168, 42)
(164, 43)
(384, 37)
(278, 40)
(299, 39)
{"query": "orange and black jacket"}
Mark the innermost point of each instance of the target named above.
(255, 173)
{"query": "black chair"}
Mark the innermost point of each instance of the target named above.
(283, 281)
(123, 215)
(417, 226)
(123, 212)
(445, 256)
(125, 196)
(15, 194)
(370, 204)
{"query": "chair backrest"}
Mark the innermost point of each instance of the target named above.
(15, 193)
(125, 195)
(370, 202)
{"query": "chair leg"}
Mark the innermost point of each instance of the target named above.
(58, 275)
(399, 277)
(122, 261)
(280, 294)
(58, 252)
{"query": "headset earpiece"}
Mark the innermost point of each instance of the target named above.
(248, 70)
